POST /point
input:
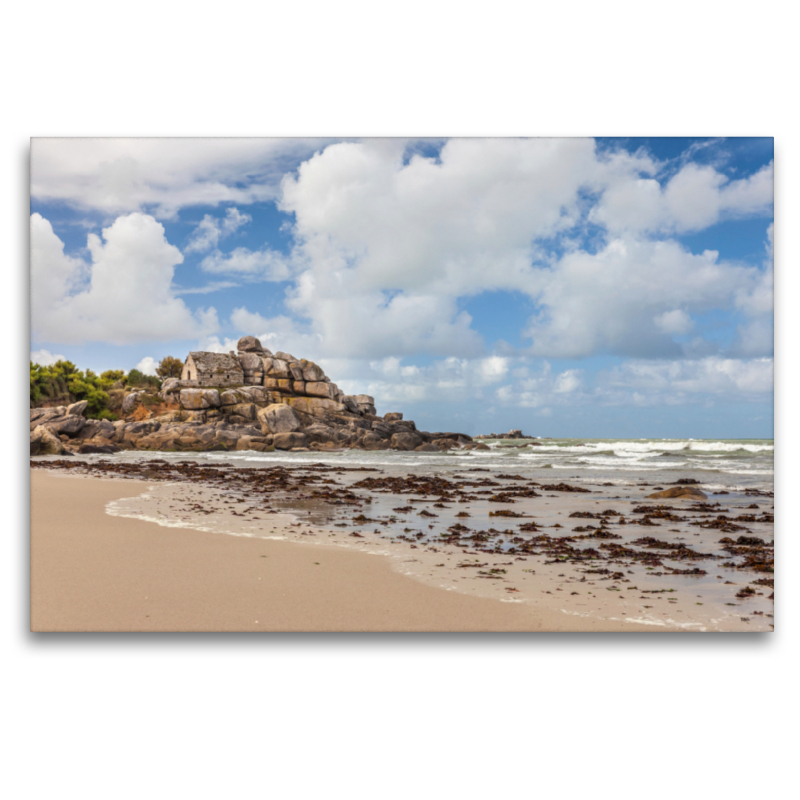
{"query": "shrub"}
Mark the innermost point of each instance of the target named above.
(106, 414)
(64, 381)
(111, 376)
(137, 378)
(49, 383)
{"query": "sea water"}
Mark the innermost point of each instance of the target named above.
(719, 464)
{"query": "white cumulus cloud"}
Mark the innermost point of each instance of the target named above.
(147, 365)
(123, 295)
(45, 358)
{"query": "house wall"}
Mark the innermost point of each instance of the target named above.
(189, 372)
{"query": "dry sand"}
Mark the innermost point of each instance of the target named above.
(94, 572)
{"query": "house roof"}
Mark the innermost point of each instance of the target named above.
(215, 362)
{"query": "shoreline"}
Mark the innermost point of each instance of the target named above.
(91, 571)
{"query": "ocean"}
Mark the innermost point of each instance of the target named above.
(731, 465)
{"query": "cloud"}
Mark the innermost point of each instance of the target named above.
(696, 197)
(389, 241)
(124, 295)
(45, 358)
(567, 382)
(115, 176)
(265, 264)
(755, 337)
(712, 375)
(214, 286)
(623, 299)
(211, 229)
(147, 365)
(463, 219)
(676, 322)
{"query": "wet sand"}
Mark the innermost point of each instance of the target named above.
(94, 572)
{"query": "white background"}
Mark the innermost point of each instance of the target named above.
(396, 716)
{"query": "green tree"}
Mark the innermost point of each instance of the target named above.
(169, 367)
(111, 376)
(65, 382)
(138, 378)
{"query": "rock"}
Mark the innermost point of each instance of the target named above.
(289, 440)
(382, 428)
(278, 368)
(229, 398)
(256, 394)
(481, 446)
(406, 441)
(279, 418)
(311, 372)
(157, 440)
(246, 410)
(428, 448)
(320, 389)
(196, 399)
(69, 426)
(365, 407)
(130, 401)
(96, 427)
(679, 492)
(349, 402)
(171, 384)
(444, 444)
(140, 428)
(211, 396)
(194, 417)
(320, 434)
(42, 416)
(45, 443)
(251, 362)
(365, 403)
(315, 406)
(228, 438)
(287, 357)
(249, 344)
(371, 441)
(394, 416)
(77, 409)
(106, 449)
(281, 385)
(251, 443)
(169, 416)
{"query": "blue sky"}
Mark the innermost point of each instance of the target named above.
(609, 287)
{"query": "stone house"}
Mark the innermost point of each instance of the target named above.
(213, 369)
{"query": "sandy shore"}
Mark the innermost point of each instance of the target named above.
(94, 572)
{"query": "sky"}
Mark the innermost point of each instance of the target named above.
(568, 287)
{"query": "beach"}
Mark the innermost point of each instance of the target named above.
(287, 544)
(94, 572)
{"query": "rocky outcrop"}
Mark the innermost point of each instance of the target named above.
(282, 402)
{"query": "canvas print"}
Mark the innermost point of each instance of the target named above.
(452, 384)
